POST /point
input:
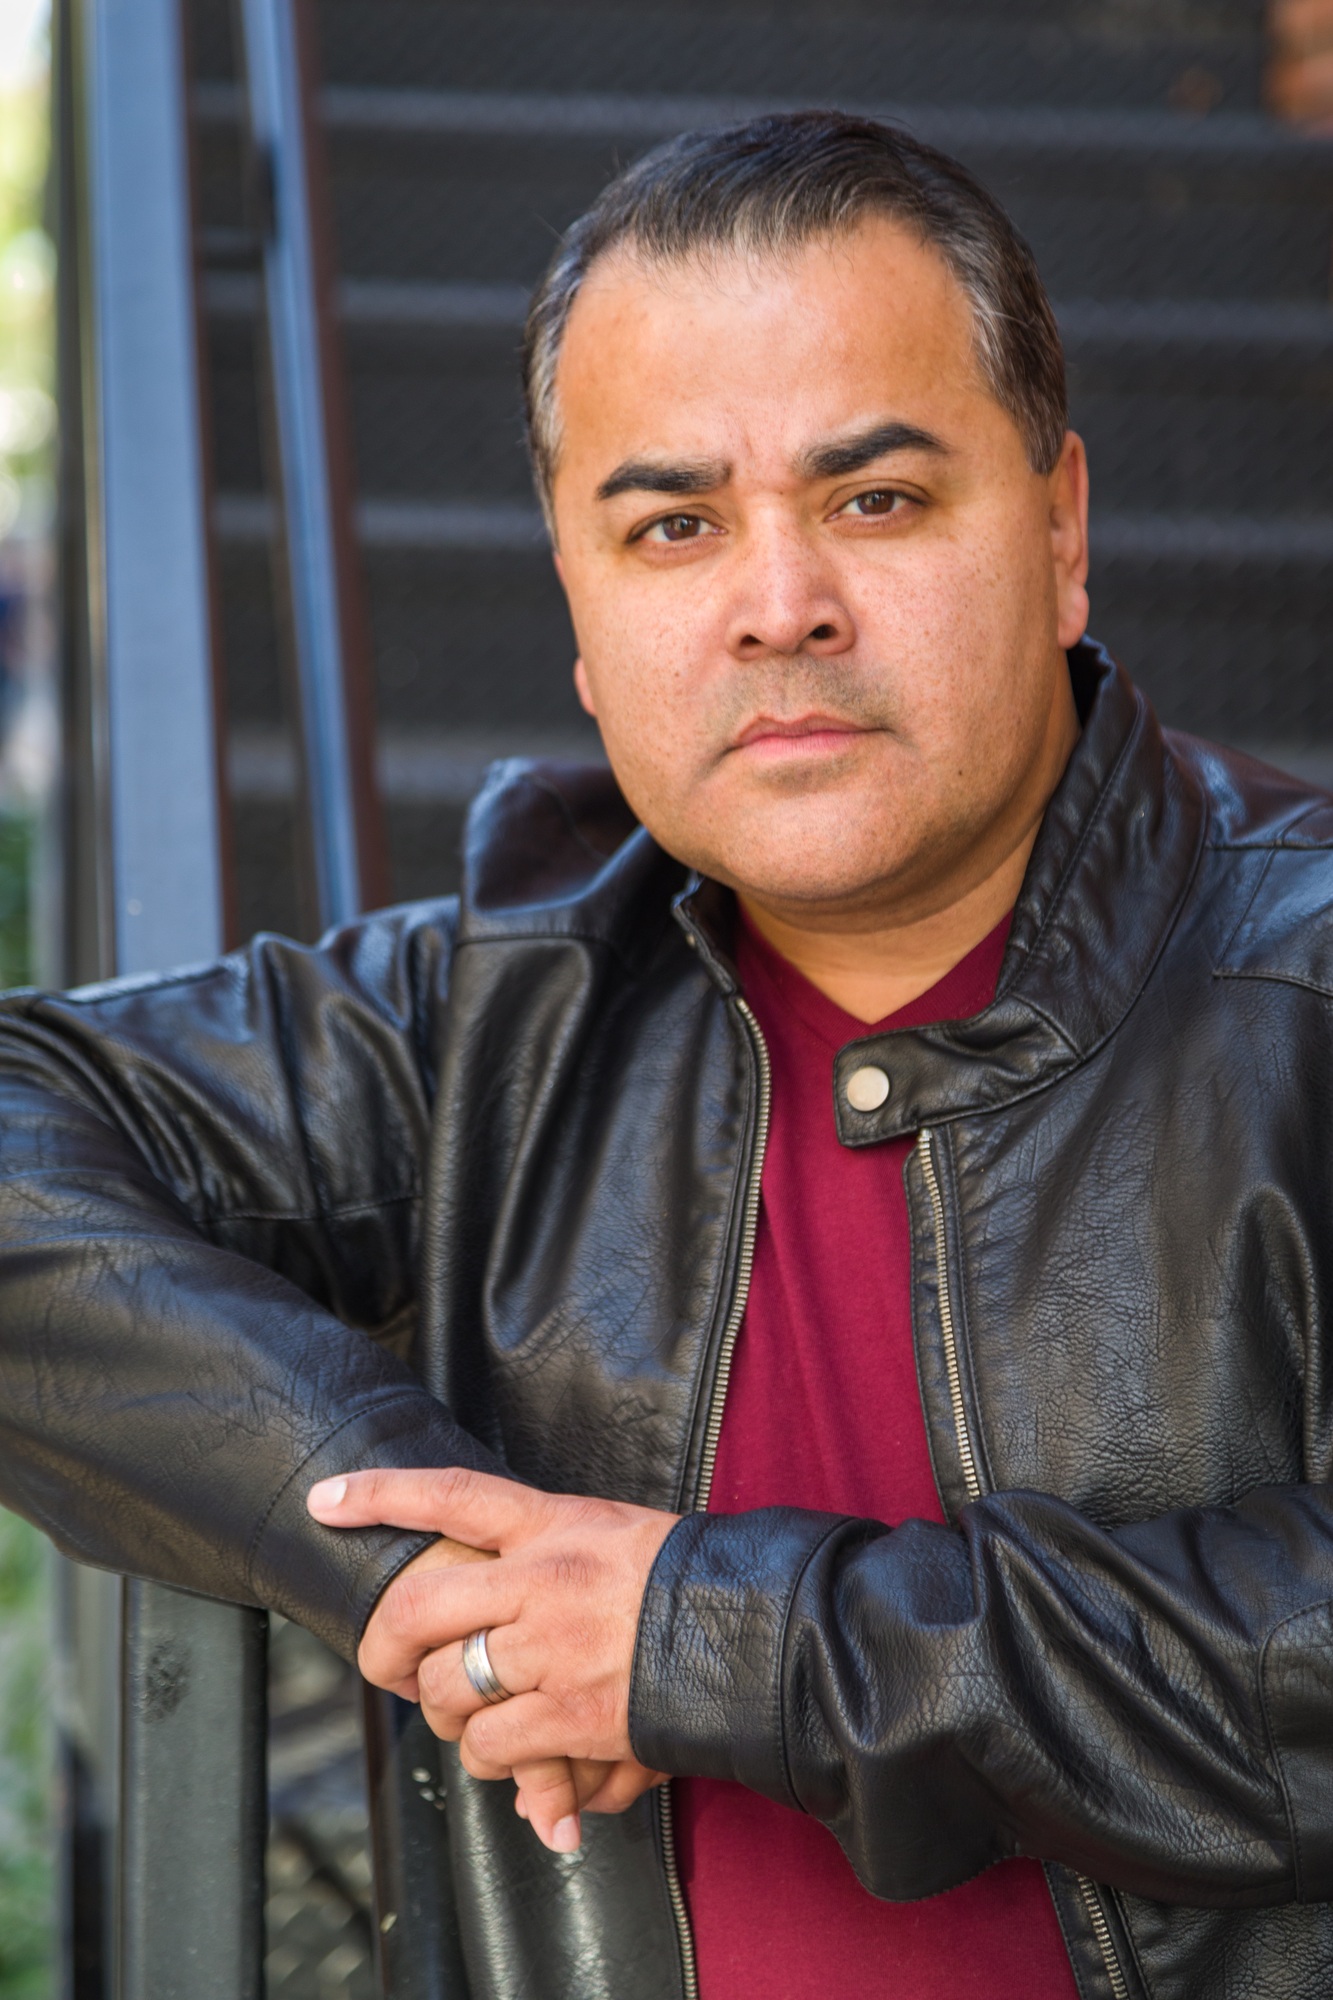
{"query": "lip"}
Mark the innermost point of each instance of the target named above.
(778, 736)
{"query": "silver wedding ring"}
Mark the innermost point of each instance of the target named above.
(481, 1675)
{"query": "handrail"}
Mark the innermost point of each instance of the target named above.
(329, 623)
(416, 1952)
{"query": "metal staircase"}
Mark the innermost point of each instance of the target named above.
(1187, 241)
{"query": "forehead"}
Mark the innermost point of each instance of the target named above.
(764, 342)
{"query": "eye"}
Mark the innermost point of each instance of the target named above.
(875, 504)
(676, 528)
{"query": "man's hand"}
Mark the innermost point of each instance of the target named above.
(559, 1599)
(550, 1794)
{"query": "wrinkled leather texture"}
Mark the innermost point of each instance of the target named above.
(466, 1184)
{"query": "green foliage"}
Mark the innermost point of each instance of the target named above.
(15, 874)
(27, 293)
(25, 1708)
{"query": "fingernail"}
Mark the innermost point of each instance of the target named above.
(565, 1834)
(328, 1493)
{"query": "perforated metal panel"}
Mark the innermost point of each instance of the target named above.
(1185, 238)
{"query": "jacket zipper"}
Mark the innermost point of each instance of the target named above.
(925, 1148)
(708, 1457)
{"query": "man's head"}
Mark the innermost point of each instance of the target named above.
(797, 413)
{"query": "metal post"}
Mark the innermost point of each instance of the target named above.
(323, 567)
(156, 629)
(194, 1808)
(190, 1874)
(418, 1949)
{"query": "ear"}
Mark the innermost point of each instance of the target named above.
(1069, 539)
(581, 687)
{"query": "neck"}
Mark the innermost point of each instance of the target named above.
(872, 973)
(872, 965)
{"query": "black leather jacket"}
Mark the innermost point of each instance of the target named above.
(480, 1184)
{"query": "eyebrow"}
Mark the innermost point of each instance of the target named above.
(685, 478)
(840, 456)
(650, 475)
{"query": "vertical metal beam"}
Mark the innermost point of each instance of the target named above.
(417, 1946)
(86, 1602)
(191, 1807)
(194, 1808)
(329, 622)
(155, 639)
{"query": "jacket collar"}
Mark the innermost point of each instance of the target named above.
(552, 851)
(1117, 849)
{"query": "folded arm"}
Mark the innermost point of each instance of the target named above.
(208, 1211)
(1152, 1706)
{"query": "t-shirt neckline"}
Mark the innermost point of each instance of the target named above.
(966, 989)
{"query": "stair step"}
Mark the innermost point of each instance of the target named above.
(1024, 133)
(1200, 58)
(418, 767)
(415, 527)
(1191, 329)
(411, 307)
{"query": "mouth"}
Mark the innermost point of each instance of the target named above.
(774, 737)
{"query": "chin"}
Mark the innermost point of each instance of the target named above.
(810, 880)
(820, 850)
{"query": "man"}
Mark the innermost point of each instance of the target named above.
(855, 1191)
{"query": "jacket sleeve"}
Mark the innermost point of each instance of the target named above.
(209, 1194)
(1152, 1706)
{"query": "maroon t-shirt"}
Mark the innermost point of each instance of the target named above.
(823, 1411)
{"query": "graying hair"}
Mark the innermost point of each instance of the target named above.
(770, 185)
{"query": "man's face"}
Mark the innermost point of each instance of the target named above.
(821, 598)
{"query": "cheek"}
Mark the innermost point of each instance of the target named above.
(963, 629)
(993, 571)
(932, 616)
(645, 656)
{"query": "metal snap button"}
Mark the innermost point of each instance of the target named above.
(867, 1088)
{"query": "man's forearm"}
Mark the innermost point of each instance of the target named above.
(166, 1418)
(165, 1401)
(1149, 1706)
(207, 1205)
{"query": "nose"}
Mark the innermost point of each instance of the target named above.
(786, 598)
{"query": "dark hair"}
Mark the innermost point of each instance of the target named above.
(774, 183)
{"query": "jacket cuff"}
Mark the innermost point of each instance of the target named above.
(1298, 1685)
(330, 1579)
(706, 1689)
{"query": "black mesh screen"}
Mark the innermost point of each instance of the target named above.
(1185, 239)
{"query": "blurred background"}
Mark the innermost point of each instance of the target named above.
(1170, 160)
(27, 743)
